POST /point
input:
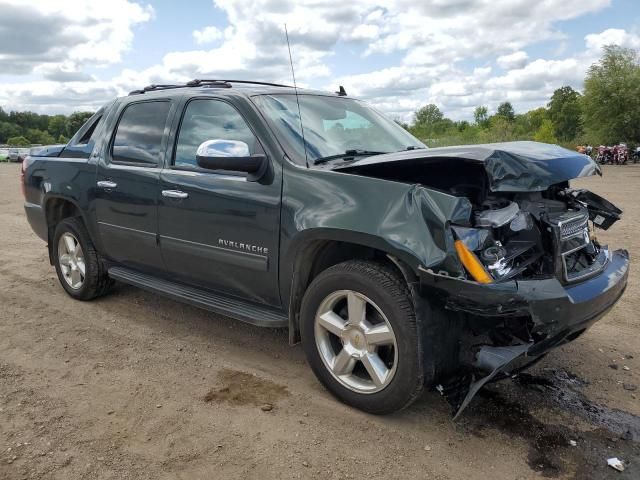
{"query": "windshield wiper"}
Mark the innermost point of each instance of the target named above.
(347, 154)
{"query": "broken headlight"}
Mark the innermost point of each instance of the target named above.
(505, 244)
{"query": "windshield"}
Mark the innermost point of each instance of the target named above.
(333, 126)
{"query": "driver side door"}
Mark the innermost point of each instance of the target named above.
(219, 230)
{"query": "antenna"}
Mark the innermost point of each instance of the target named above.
(295, 88)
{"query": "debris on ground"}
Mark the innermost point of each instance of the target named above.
(626, 368)
(267, 407)
(616, 464)
(630, 387)
(614, 366)
(573, 443)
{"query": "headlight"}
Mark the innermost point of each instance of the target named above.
(471, 263)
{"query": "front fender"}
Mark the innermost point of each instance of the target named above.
(407, 221)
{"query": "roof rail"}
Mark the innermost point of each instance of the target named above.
(203, 83)
(195, 83)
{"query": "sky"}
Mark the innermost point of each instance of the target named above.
(63, 56)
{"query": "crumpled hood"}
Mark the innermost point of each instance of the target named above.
(510, 166)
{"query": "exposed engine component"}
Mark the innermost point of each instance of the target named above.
(537, 234)
(497, 217)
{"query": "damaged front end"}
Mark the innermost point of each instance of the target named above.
(526, 287)
(524, 270)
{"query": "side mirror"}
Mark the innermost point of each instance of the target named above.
(232, 155)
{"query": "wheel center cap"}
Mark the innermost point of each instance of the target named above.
(355, 342)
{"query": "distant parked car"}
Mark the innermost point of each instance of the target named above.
(14, 155)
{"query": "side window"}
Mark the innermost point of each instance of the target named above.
(82, 143)
(140, 132)
(88, 135)
(206, 119)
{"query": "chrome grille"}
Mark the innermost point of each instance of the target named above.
(574, 225)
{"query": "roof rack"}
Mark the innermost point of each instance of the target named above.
(204, 83)
(195, 83)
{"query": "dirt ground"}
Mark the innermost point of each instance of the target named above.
(136, 386)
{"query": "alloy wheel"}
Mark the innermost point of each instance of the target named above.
(356, 341)
(71, 260)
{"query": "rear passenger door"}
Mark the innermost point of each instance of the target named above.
(218, 230)
(127, 184)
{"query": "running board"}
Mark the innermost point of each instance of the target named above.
(228, 306)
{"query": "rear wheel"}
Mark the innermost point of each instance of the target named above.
(80, 269)
(360, 336)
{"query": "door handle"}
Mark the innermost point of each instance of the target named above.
(107, 184)
(174, 194)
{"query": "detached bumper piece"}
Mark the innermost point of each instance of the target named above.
(558, 314)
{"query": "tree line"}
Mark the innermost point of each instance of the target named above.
(607, 112)
(28, 128)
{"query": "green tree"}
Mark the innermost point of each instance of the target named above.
(500, 130)
(18, 142)
(611, 100)
(505, 110)
(428, 116)
(546, 132)
(57, 125)
(7, 130)
(75, 121)
(565, 113)
(41, 137)
(536, 117)
(481, 116)
(63, 139)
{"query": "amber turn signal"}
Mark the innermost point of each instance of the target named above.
(471, 263)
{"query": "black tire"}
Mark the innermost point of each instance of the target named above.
(96, 281)
(388, 290)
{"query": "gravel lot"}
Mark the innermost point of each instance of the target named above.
(137, 386)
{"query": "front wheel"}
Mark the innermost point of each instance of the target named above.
(360, 336)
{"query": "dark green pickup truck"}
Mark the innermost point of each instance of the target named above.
(398, 267)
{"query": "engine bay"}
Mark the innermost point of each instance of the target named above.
(530, 235)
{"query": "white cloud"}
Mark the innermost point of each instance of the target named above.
(617, 36)
(512, 60)
(67, 34)
(207, 35)
(425, 47)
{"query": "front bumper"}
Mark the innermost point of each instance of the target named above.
(558, 313)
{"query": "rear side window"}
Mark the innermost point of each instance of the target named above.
(83, 142)
(88, 135)
(206, 119)
(140, 132)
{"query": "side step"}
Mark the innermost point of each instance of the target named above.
(258, 315)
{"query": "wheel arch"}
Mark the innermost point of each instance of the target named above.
(315, 251)
(57, 208)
